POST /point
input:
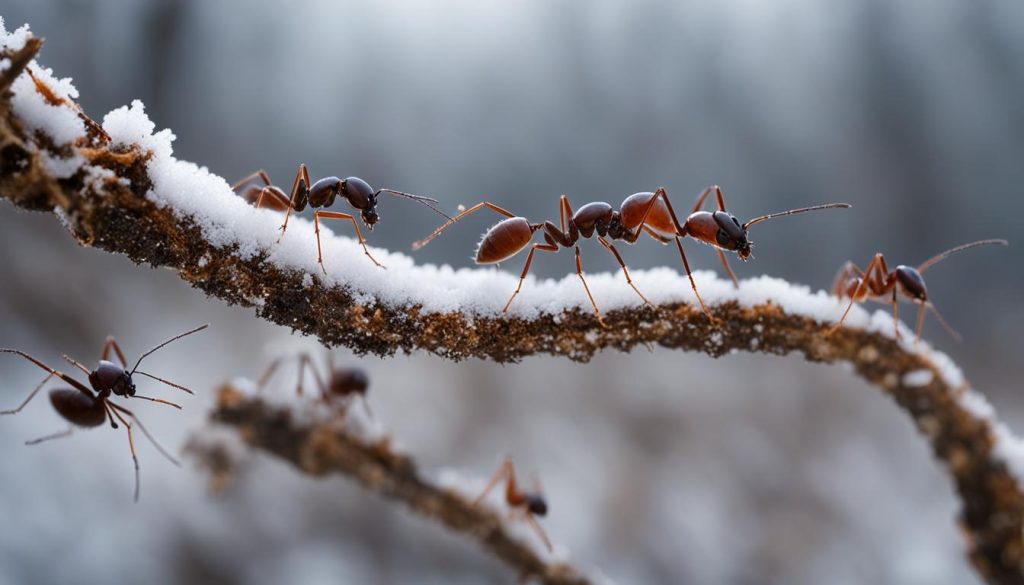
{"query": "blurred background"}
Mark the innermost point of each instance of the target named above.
(659, 467)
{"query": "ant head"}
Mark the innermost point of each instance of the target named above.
(912, 283)
(615, 228)
(731, 235)
(536, 504)
(345, 381)
(370, 216)
(111, 377)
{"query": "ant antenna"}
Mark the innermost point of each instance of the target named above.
(428, 201)
(175, 338)
(169, 383)
(940, 257)
(167, 402)
(758, 220)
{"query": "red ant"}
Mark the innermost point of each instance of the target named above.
(341, 387)
(641, 212)
(359, 194)
(89, 408)
(877, 282)
(531, 503)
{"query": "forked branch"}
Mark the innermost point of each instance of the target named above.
(327, 447)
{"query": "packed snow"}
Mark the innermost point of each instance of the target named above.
(206, 199)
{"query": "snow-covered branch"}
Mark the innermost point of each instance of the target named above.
(120, 189)
(319, 444)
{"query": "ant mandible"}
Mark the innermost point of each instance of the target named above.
(531, 503)
(877, 282)
(89, 408)
(647, 212)
(339, 389)
(359, 194)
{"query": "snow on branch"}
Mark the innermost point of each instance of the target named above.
(119, 188)
(319, 444)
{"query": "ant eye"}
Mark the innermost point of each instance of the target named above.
(722, 238)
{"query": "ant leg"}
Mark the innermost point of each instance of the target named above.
(920, 320)
(841, 283)
(144, 431)
(949, 328)
(655, 235)
(693, 284)
(74, 363)
(526, 269)
(565, 218)
(30, 396)
(895, 314)
(60, 435)
(540, 531)
(859, 292)
(262, 382)
(702, 197)
(112, 343)
(301, 178)
(131, 445)
(306, 361)
(420, 243)
(74, 383)
(260, 174)
(339, 215)
(579, 272)
(611, 248)
(728, 269)
(277, 196)
(505, 471)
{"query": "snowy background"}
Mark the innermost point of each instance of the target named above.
(659, 467)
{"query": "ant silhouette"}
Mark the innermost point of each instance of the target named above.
(530, 503)
(359, 194)
(877, 282)
(647, 212)
(339, 387)
(91, 407)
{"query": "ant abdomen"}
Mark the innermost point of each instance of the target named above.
(78, 408)
(632, 211)
(504, 240)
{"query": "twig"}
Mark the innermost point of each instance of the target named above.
(318, 449)
(116, 216)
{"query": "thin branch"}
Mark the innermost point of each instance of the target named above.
(115, 215)
(325, 447)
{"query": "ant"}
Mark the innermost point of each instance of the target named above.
(639, 213)
(531, 503)
(89, 408)
(878, 282)
(341, 387)
(359, 194)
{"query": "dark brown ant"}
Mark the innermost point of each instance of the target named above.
(338, 388)
(641, 212)
(877, 282)
(531, 503)
(89, 408)
(359, 194)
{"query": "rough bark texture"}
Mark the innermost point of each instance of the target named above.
(118, 218)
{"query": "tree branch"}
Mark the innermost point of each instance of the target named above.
(114, 213)
(327, 446)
